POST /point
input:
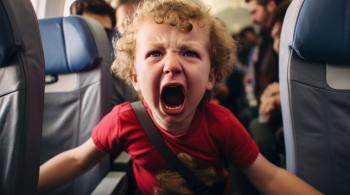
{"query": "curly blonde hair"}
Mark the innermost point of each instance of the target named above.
(177, 13)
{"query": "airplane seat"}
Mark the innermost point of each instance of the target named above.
(77, 90)
(315, 92)
(21, 97)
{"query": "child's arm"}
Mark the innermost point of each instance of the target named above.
(271, 179)
(67, 165)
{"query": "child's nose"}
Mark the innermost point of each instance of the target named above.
(172, 65)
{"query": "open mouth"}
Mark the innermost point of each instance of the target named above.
(173, 98)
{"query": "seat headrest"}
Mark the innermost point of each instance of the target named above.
(322, 32)
(69, 45)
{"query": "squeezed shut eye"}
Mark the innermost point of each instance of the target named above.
(173, 96)
(192, 54)
(154, 54)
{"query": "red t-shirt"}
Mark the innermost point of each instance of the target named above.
(214, 137)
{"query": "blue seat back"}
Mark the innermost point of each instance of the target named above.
(77, 91)
(315, 92)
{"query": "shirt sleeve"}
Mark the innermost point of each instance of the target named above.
(106, 134)
(244, 151)
(233, 139)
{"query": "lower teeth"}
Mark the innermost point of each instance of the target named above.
(172, 108)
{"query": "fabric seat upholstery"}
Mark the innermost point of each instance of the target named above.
(21, 97)
(315, 92)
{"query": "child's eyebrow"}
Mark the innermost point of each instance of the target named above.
(198, 46)
(155, 44)
(182, 44)
(189, 44)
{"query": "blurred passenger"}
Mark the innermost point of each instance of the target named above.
(270, 100)
(124, 9)
(262, 69)
(221, 91)
(262, 10)
(238, 100)
(267, 128)
(264, 62)
(101, 11)
(232, 94)
(276, 24)
(247, 40)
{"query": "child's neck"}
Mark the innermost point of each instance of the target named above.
(177, 132)
(175, 129)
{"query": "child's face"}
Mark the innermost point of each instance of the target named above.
(173, 71)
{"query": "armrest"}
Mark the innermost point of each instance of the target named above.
(122, 162)
(115, 183)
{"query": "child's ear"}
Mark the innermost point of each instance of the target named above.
(134, 82)
(211, 81)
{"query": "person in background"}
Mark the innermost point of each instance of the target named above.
(270, 100)
(238, 100)
(264, 68)
(99, 10)
(124, 9)
(267, 129)
(247, 40)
